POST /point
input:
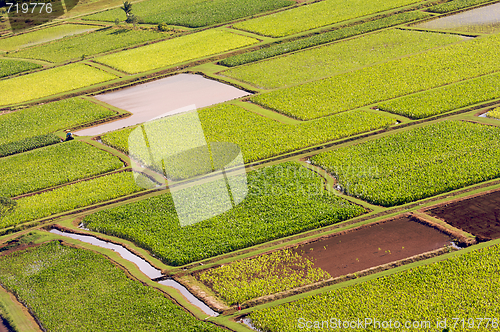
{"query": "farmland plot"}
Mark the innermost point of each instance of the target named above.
(11, 67)
(417, 163)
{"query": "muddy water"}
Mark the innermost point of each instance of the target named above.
(481, 20)
(373, 245)
(163, 97)
(142, 264)
(3, 328)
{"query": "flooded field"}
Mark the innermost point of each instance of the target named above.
(373, 245)
(481, 20)
(163, 97)
(478, 215)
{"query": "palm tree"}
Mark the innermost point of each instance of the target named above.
(127, 8)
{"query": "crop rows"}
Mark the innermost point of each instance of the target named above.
(50, 82)
(494, 113)
(11, 67)
(324, 13)
(323, 38)
(264, 275)
(51, 166)
(49, 118)
(282, 200)
(43, 35)
(462, 287)
(88, 44)
(333, 59)
(28, 144)
(46, 278)
(71, 197)
(388, 80)
(455, 5)
(260, 137)
(446, 98)
(193, 13)
(177, 50)
(416, 164)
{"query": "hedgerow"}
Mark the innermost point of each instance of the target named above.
(388, 80)
(72, 289)
(417, 163)
(430, 293)
(53, 165)
(28, 144)
(445, 99)
(322, 38)
(282, 200)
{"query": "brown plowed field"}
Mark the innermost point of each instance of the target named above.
(373, 245)
(479, 215)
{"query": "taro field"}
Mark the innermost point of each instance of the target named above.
(233, 165)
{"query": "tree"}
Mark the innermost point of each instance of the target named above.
(7, 205)
(127, 8)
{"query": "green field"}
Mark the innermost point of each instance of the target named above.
(260, 137)
(426, 293)
(447, 98)
(43, 35)
(455, 5)
(71, 289)
(323, 38)
(11, 67)
(177, 50)
(28, 144)
(193, 13)
(282, 200)
(387, 80)
(89, 44)
(417, 163)
(494, 113)
(71, 197)
(49, 118)
(50, 82)
(51, 166)
(263, 275)
(320, 62)
(316, 15)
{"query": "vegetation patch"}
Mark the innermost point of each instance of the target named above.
(324, 13)
(96, 295)
(264, 275)
(193, 13)
(11, 67)
(337, 58)
(177, 50)
(51, 166)
(426, 293)
(377, 83)
(323, 38)
(43, 35)
(417, 163)
(444, 99)
(494, 113)
(88, 44)
(72, 197)
(260, 137)
(455, 5)
(49, 118)
(282, 200)
(28, 144)
(55, 80)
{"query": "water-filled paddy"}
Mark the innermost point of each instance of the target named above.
(481, 20)
(163, 97)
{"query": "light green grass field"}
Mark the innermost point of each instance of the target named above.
(43, 35)
(339, 57)
(316, 15)
(88, 44)
(175, 51)
(50, 82)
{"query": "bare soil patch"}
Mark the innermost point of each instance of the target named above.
(478, 215)
(3, 328)
(373, 245)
